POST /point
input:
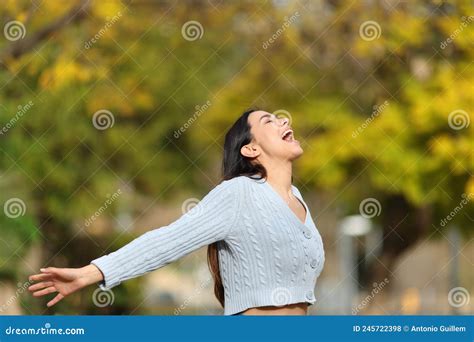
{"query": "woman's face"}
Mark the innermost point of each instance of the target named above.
(269, 138)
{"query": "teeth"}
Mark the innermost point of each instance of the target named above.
(286, 132)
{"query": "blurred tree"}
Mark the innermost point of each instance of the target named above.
(101, 96)
(383, 110)
(102, 88)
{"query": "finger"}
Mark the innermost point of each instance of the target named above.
(40, 285)
(40, 276)
(55, 300)
(49, 270)
(47, 290)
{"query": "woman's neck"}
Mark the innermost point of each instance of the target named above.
(279, 176)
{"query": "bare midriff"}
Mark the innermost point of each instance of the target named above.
(290, 309)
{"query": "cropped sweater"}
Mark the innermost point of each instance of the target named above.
(267, 255)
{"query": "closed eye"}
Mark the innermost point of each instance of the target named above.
(269, 120)
(268, 117)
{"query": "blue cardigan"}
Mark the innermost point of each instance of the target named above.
(267, 255)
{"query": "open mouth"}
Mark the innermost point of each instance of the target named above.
(288, 136)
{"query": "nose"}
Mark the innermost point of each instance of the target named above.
(284, 120)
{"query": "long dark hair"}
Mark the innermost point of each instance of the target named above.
(234, 164)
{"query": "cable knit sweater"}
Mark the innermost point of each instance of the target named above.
(267, 255)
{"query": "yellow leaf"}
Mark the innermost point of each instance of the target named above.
(469, 189)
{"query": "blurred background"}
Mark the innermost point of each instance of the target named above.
(112, 118)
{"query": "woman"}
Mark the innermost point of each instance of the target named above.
(264, 250)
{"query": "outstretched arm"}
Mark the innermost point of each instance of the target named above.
(209, 221)
(64, 281)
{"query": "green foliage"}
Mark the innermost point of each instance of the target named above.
(151, 79)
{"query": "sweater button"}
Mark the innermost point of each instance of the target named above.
(314, 263)
(309, 295)
(307, 234)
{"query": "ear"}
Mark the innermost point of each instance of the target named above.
(249, 151)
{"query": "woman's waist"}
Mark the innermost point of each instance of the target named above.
(289, 309)
(275, 296)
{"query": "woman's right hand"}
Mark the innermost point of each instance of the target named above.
(64, 281)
